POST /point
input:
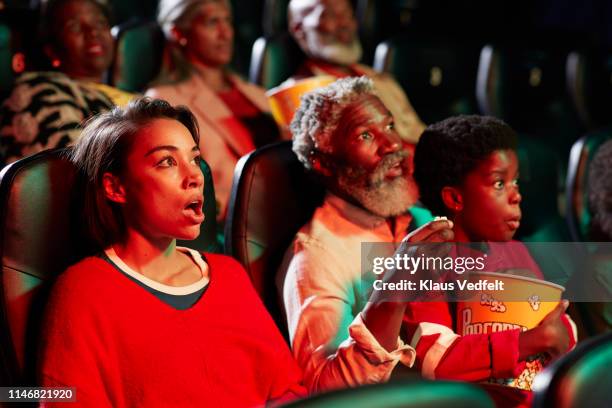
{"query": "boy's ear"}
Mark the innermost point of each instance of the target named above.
(113, 189)
(452, 199)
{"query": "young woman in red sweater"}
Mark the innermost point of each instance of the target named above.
(467, 169)
(147, 323)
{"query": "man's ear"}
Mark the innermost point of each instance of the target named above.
(113, 189)
(452, 199)
(296, 29)
(320, 164)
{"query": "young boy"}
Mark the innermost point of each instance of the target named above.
(467, 170)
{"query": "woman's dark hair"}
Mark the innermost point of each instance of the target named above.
(448, 150)
(104, 146)
(600, 193)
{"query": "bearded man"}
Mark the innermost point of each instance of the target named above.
(341, 338)
(326, 30)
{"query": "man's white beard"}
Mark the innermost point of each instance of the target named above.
(335, 52)
(385, 198)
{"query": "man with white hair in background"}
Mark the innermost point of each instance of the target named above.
(326, 30)
(341, 338)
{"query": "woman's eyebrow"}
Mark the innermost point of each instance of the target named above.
(163, 147)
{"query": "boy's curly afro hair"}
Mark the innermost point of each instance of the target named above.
(448, 150)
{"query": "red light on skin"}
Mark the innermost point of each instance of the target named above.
(18, 62)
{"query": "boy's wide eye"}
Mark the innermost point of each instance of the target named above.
(515, 182)
(499, 184)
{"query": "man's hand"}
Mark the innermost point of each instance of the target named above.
(434, 231)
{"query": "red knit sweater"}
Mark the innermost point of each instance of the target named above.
(121, 346)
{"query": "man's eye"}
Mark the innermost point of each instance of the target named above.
(167, 162)
(499, 184)
(365, 136)
(391, 126)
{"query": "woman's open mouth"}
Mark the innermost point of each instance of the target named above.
(194, 212)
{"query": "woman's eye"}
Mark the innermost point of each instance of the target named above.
(167, 162)
(73, 27)
(197, 160)
(499, 184)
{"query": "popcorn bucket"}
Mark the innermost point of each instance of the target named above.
(522, 304)
(285, 99)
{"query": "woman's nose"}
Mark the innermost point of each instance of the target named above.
(194, 177)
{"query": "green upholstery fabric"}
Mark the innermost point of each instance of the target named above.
(589, 74)
(421, 394)
(6, 71)
(577, 194)
(539, 180)
(125, 10)
(138, 57)
(248, 17)
(275, 17)
(439, 77)
(41, 234)
(274, 60)
(526, 87)
(581, 378)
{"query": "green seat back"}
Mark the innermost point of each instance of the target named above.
(421, 394)
(438, 77)
(581, 378)
(138, 56)
(274, 60)
(577, 194)
(589, 74)
(526, 86)
(6, 70)
(248, 17)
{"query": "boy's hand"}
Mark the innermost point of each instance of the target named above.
(550, 336)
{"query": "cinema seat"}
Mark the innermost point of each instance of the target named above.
(272, 198)
(588, 80)
(525, 85)
(581, 378)
(402, 394)
(274, 59)
(439, 77)
(138, 56)
(6, 55)
(577, 195)
(40, 235)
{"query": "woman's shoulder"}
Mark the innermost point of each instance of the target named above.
(90, 275)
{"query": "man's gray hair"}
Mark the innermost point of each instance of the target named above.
(319, 113)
